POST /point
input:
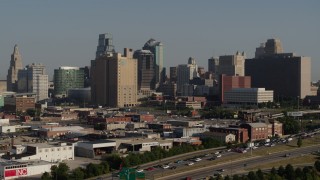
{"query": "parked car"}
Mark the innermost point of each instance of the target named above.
(197, 159)
(139, 170)
(190, 163)
(173, 167)
(150, 169)
(165, 166)
(218, 156)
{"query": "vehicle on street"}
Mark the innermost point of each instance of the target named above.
(220, 170)
(216, 152)
(190, 163)
(218, 156)
(173, 167)
(139, 170)
(207, 155)
(211, 159)
(197, 159)
(150, 169)
(165, 166)
(180, 161)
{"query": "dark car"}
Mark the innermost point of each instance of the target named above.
(173, 167)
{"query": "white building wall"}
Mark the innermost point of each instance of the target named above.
(53, 154)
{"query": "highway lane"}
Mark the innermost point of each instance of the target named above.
(239, 165)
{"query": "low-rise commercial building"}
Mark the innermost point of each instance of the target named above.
(188, 132)
(248, 96)
(256, 131)
(43, 151)
(241, 134)
(19, 102)
(21, 169)
(92, 149)
(220, 136)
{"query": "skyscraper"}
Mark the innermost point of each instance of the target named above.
(15, 66)
(273, 46)
(67, 78)
(105, 45)
(287, 74)
(114, 80)
(146, 69)
(157, 49)
(231, 65)
(33, 79)
(186, 72)
(212, 63)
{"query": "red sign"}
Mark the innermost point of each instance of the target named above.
(16, 172)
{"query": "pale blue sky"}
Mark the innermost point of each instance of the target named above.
(65, 32)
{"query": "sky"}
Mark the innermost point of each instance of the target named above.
(65, 33)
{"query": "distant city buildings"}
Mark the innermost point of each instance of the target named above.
(33, 79)
(66, 78)
(15, 66)
(287, 74)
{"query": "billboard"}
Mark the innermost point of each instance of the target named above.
(16, 172)
(295, 114)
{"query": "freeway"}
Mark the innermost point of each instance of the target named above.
(238, 166)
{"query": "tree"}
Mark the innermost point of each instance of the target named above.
(259, 174)
(78, 173)
(317, 165)
(252, 176)
(289, 172)
(281, 171)
(299, 142)
(236, 177)
(298, 173)
(273, 171)
(46, 176)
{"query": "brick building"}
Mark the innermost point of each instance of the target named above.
(241, 134)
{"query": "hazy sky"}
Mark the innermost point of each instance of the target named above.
(65, 33)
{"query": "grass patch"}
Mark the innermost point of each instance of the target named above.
(306, 159)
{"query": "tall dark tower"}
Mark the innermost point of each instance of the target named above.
(105, 45)
(157, 49)
(146, 69)
(15, 66)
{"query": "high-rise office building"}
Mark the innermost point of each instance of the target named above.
(287, 74)
(173, 74)
(212, 63)
(33, 79)
(66, 78)
(273, 46)
(114, 80)
(186, 72)
(157, 49)
(15, 66)
(105, 45)
(231, 65)
(146, 69)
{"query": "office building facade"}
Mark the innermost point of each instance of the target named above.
(33, 79)
(229, 82)
(146, 69)
(248, 96)
(287, 74)
(186, 72)
(231, 65)
(66, 78)
(115, 80)
(158, 50)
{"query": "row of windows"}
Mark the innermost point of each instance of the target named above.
(16, 166)
(53, 149)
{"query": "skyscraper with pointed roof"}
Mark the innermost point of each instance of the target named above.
(15, 66)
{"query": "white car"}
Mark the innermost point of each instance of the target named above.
(190, 164)
(219, 155)
(254, 147)
(216, 152)
(165, 166)
(197, 160)
(140, 170)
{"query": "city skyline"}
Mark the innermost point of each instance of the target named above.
(65, 33)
